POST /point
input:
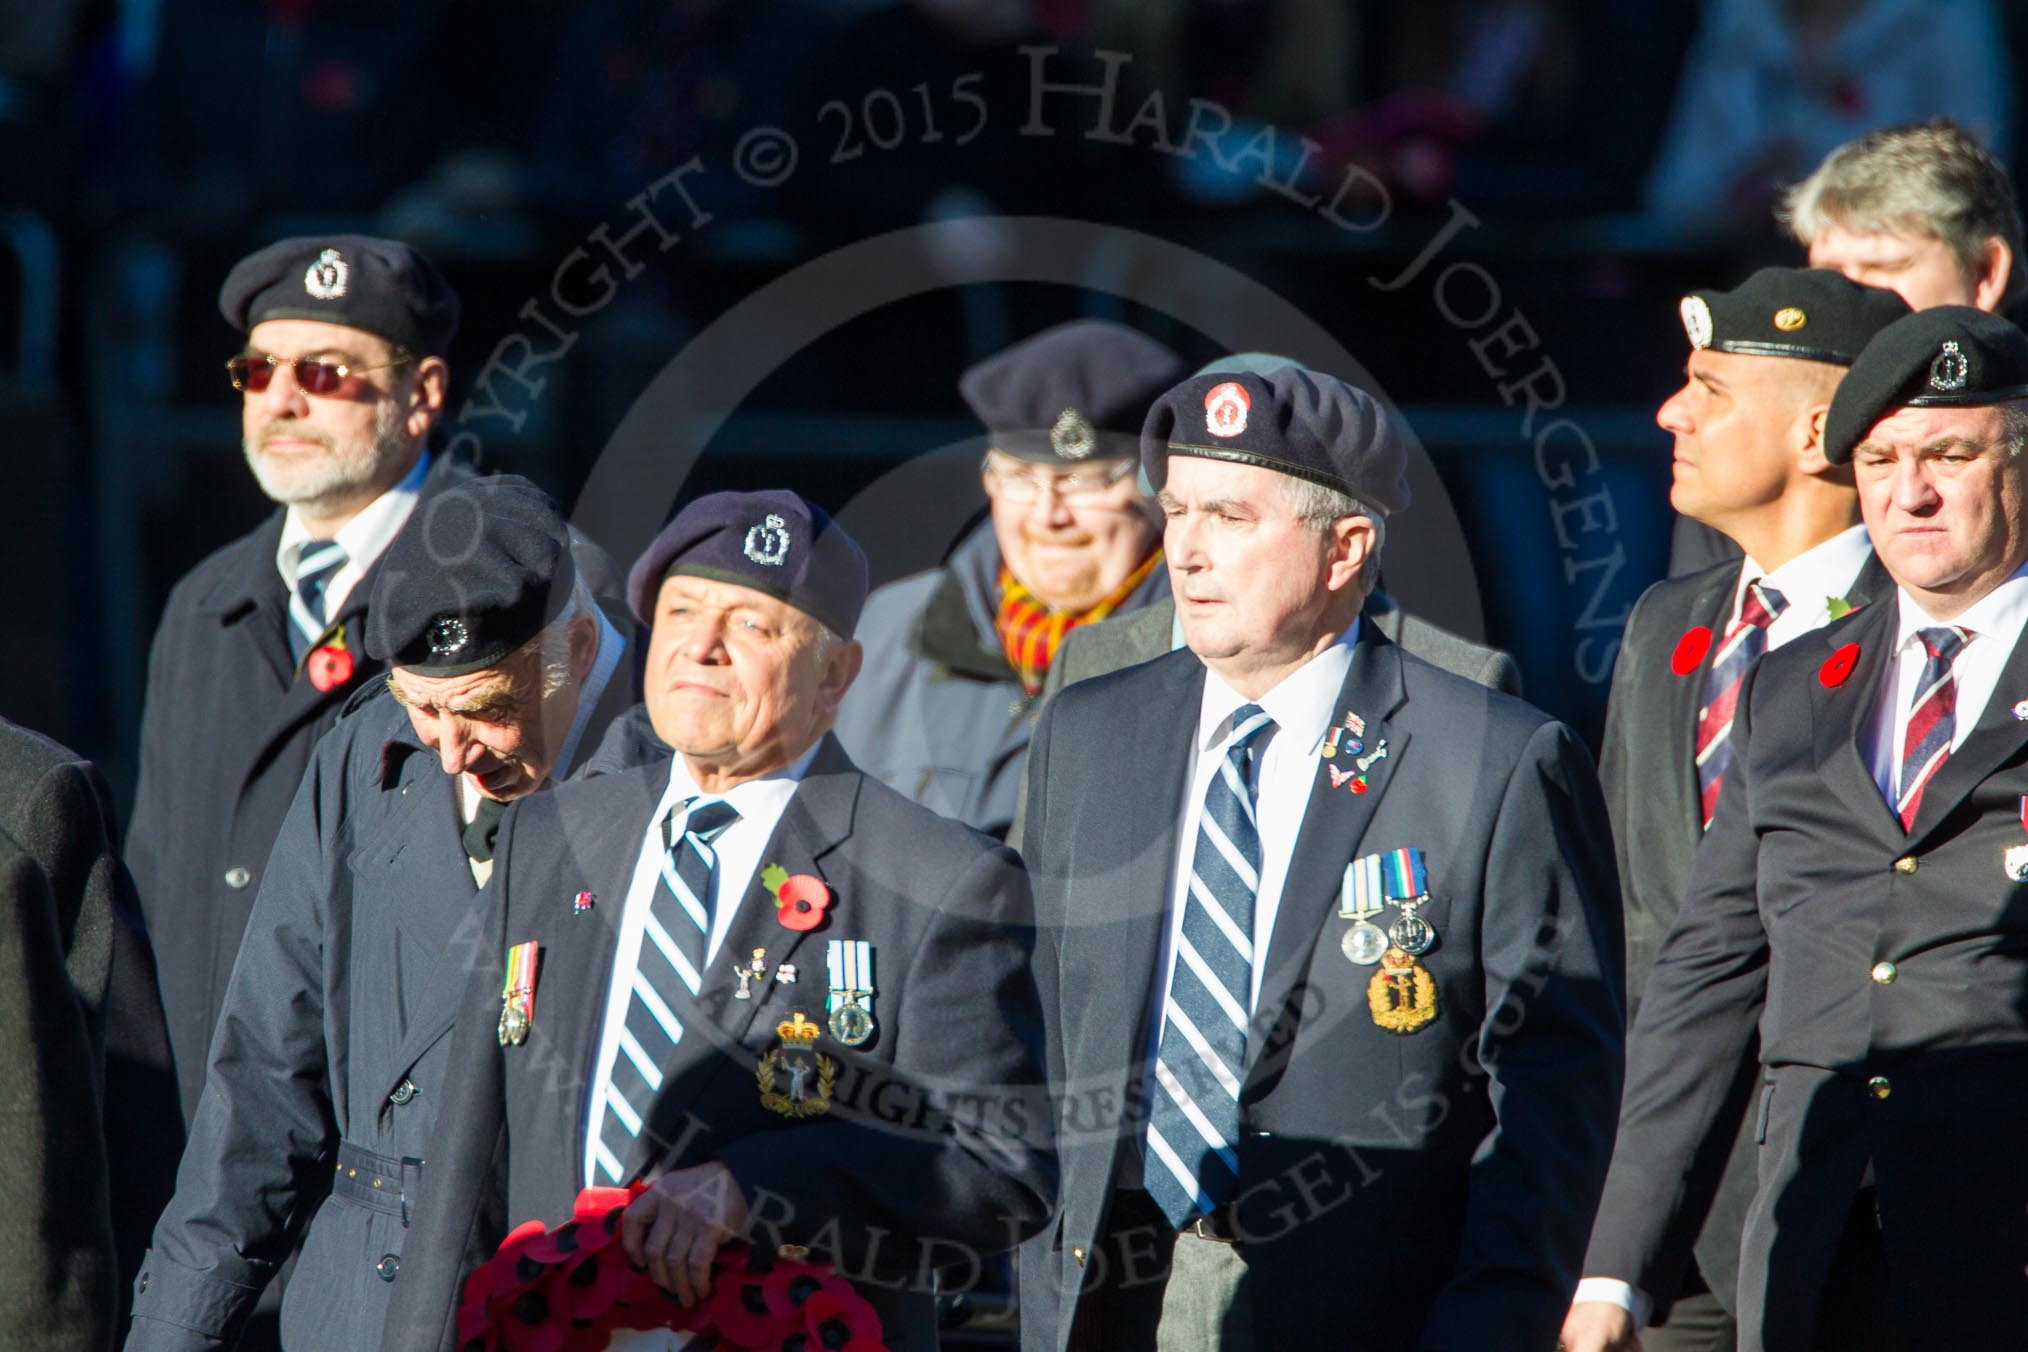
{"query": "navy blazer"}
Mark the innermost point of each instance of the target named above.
(1429, 1190)
(934, 1153)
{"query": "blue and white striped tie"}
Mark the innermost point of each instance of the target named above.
(1192, 1165)
(316, 562)
(667, 975)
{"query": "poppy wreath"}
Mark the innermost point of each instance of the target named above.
(571, 1288)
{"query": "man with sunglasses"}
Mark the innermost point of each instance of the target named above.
(955, 657)
(260, 645)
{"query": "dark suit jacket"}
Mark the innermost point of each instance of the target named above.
(1648, 769)
(1804, 884)
(343, 994)
(1422, 1191)
(934, 1151)
(1127, 640)
(61, 882)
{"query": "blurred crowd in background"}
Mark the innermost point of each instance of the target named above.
(1612, 153)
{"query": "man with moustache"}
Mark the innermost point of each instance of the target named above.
(327, 1073)
(1858, 904)
(1922, 210)
(340, 381)
(956, 657)
(1328, 938)
(1765, 359)
(708, 973)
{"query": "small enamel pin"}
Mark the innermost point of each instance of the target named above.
(582, 902)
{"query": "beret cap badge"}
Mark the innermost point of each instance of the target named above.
(1072, 437)
(1788, 319)
(1697, 321)
(1225, 409)
(447, 635)
(1950, 370)
(325, 279)
(768, 543)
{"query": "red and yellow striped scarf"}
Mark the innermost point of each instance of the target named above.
(1030, 632)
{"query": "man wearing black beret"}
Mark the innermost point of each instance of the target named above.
(327, 1072)
(1328, 937)
(1748, 460)
(1858, 905)
(955, 657)
(795, 1004)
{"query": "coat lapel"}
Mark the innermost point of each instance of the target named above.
(1841, 713)
(426, 845)
(1334, 826)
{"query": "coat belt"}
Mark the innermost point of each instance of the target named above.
(377, 1182)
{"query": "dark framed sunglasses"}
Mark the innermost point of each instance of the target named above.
(315, 375)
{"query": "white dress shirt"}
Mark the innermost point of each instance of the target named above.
(760, 803)
(1809, 582)
(364, 538)
(1993, 625)
(1303, 707)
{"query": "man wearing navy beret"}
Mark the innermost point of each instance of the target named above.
(1858, 905)
(795, 1004)
(327, 1071)
(956, 657)
(1328, 938)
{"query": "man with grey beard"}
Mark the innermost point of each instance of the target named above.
(341, 378)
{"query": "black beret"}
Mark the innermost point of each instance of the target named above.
(476, 572)
(380, 286)
(775, 542)
(1950, 356)
(1291, 420)
(1809, 314)
(1070, 392)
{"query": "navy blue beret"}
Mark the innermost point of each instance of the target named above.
(776, 542)
(1070, 392)
(1951, 356)
(380, 286)
(1289, 419)
(1808, 314)
(476, 572)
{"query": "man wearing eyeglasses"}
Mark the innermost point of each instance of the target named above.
(955, 657)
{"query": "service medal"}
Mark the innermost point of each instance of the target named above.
(2016, 863)
(851, 1000)
(517, 995)
(1364, 943)
(1411, 933)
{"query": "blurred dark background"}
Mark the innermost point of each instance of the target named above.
(1610, 154)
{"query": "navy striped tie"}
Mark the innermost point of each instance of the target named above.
(1192, 1164)
(1932, 719)
(667, 975)
(316, 562)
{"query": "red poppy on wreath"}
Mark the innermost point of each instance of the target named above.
(800, 899)
(1690, 650)
(330, 664)
(1838, 666)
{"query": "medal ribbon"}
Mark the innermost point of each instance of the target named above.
(519, 989)
(1406, 874)
(1360, 894)
(851, 964)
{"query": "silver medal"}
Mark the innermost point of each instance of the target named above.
(1364, 943)
(1411, 933)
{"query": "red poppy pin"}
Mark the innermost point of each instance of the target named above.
(800, 899)
(330, 664)
(1690, 650)
(1838, 666)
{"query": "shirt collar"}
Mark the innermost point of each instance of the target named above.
(770, 793)
(1302, 705)
(365, 535)
(1999, 614)
(606, 661)
(1822, 573)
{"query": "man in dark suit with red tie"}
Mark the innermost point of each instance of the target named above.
(1765, 359)
(1858, 904)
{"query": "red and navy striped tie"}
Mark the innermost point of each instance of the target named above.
(1932, 719)
(1744, 642)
